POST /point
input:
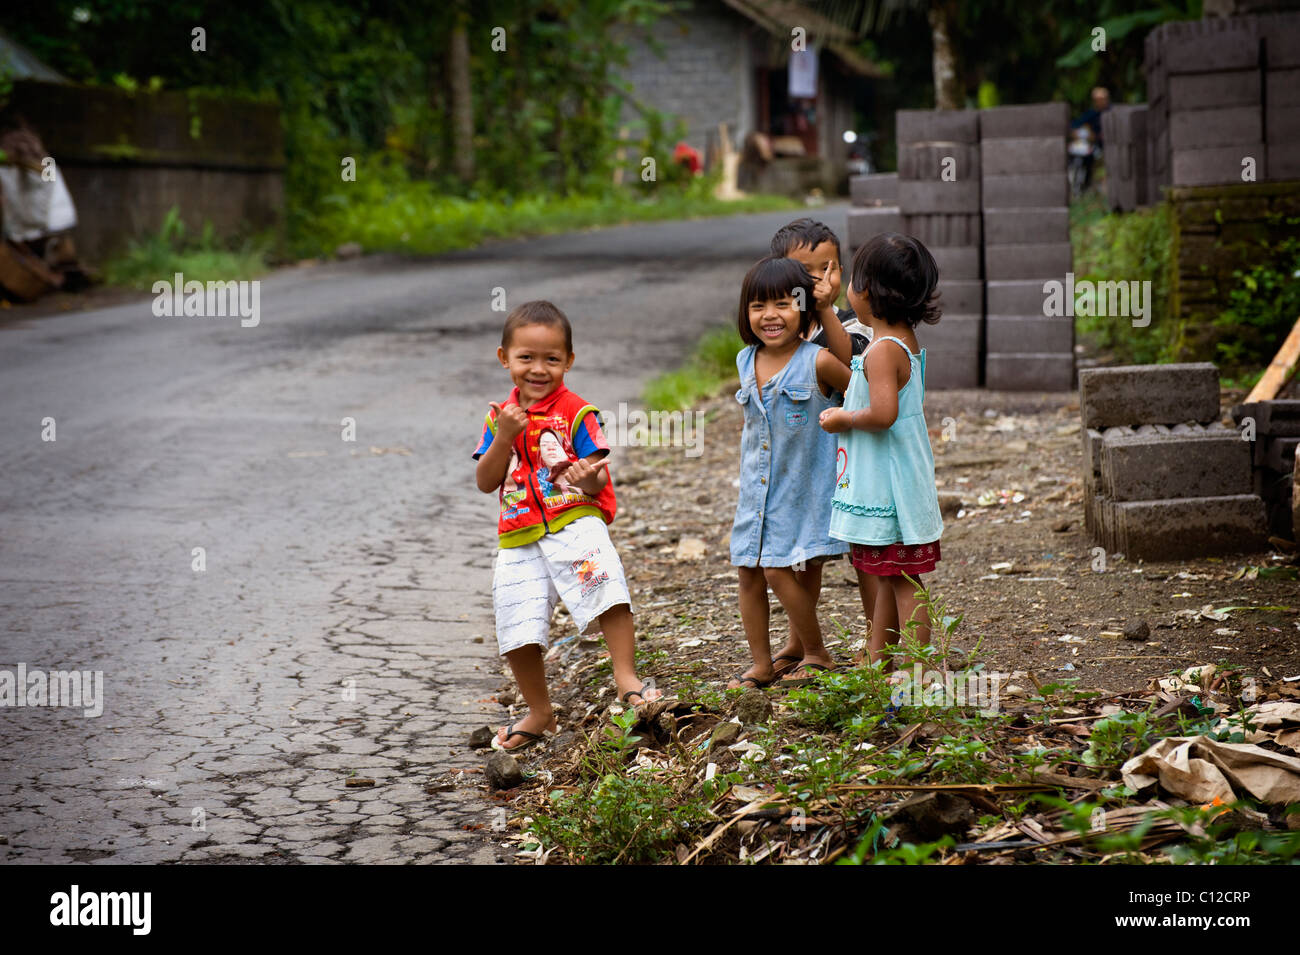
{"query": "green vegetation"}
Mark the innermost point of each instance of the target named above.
(1262, 307)
(201, 257)
(1126, 246)
(387, 210)
(709, 367)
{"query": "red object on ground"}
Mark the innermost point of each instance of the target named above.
(689, 157)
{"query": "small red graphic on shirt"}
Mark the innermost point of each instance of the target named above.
(590, 574)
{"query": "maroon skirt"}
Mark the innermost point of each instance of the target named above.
(895, 559)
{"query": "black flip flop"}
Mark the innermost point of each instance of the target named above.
(530, 739)
(739, 677)
(805, 681)
(785, 656)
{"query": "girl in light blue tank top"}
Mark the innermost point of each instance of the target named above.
(885, 504)
(787, 465)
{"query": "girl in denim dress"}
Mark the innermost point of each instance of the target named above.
(787, 464)
(885, 503)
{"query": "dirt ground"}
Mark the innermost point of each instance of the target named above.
(1049, 612)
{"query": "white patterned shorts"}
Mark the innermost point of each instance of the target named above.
(577, 563)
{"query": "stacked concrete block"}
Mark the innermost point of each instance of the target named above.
(1163, 478)
(1223, 101)
(1275, 429)
(1282, 94)
(1025, 195)
(1124, 131)
(874, 208)
(939, 197)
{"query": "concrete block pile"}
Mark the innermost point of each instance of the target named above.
(1025, 204)
(1223, 101)
(1124, 131)
(939, 198)
(1276, 432)
(1164, 478)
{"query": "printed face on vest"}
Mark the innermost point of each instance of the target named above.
(550, 450)
(537, 360)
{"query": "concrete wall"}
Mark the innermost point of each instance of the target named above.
(704, 75)
(128, 158)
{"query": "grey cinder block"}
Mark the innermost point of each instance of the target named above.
(1179, 528)
(937, 228)
(957, 262)
(1149, 394)
(937, 125)
(867, 221)
(877, 189)
(961, 296)
(952, 357)
(955, 162)
(1152, 467)
(1035, 190)
(1047, 260)
(1198, 91)
(1015, 334)
(1015, 297)
(1283, 161)
(1206, 128)
(1040, 372)
(937, 196)
(1019, 122)
(1012, 226)
(1221, 165)
(1013, 157)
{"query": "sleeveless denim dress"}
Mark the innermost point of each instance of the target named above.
(884, 491)
(787, 466)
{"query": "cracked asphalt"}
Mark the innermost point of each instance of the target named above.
(341, 626)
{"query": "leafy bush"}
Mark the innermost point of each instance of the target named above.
(1262, 307)
(1126, 246)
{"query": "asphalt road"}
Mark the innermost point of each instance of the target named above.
(331, 634)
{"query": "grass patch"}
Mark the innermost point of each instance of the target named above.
(201, 257)
(711, 364)
(386, 211)
(1126, 246)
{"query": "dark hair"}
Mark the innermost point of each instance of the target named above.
(803, 232)
(772, 278)
(539, 312)
(898, 276)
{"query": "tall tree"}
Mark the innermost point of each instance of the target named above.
(462, 102)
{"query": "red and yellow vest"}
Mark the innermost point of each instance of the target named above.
(531, 504)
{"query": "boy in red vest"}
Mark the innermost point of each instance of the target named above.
(544, 444)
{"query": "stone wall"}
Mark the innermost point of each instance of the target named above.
(1218, 229)
(129, 158)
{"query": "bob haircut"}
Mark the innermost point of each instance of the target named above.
(898, 276)
(774, 278)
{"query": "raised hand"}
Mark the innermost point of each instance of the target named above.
(581, 473)
(511, 419)
(822, 290)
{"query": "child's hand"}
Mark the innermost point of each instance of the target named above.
(823, 291)
(511, 419)
(581, 474)
(835, 420)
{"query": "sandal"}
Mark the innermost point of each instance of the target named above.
(780, 671)
(805, 681)
(739, 677)
(530, 739)
(641, 693)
